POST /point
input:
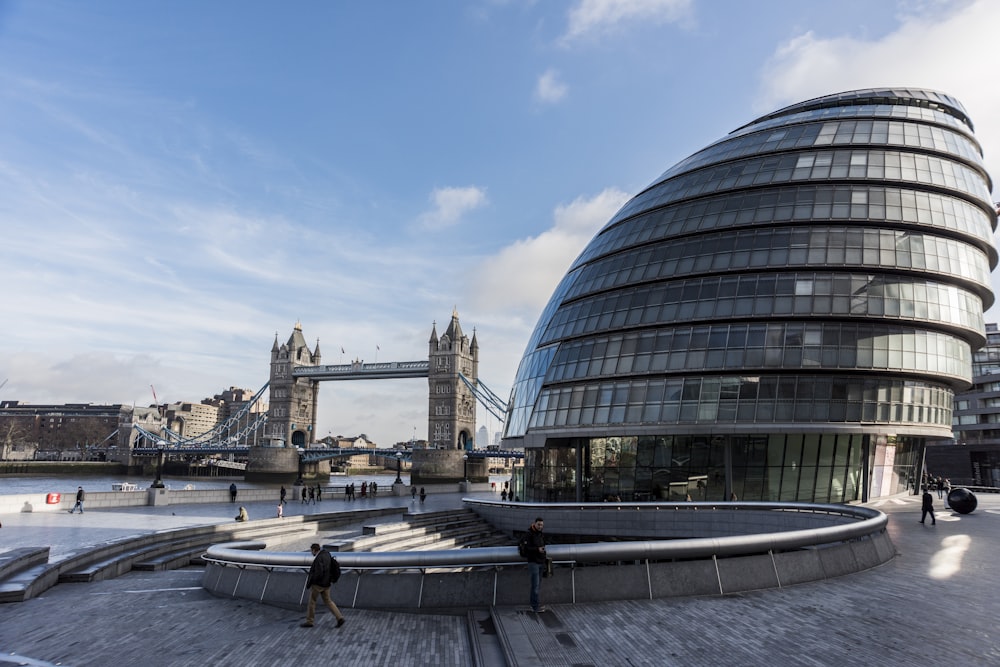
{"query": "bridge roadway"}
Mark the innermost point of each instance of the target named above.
(937, 601)
(363, 371)
(320, 454)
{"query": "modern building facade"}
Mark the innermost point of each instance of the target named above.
(784, 315)
(973, 457)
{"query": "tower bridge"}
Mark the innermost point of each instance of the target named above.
(279, 443)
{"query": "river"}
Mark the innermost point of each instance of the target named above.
(66, 484)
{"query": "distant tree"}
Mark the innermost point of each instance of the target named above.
(13, 434)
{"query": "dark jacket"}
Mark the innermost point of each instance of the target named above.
(533, 540)
(928, 503)
(321, 572)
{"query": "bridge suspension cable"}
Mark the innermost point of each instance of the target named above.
(227, 433)
(486, 397)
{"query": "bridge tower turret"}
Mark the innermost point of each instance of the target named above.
(451, 414)
(291, 416)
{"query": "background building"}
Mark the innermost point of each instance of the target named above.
(785, 315)
(973, 457)
(69, 432)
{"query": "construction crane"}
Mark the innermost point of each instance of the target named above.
(156, 402)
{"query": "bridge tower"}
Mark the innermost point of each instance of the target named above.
(291, 416)
(451, 414)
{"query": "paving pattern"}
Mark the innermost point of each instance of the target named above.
(937, 601)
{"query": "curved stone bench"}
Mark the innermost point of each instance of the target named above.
(800, 542)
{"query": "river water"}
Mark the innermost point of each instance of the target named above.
(66, 484)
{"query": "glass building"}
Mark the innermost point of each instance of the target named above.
(784, 315)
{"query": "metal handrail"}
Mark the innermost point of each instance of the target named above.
(868, 521)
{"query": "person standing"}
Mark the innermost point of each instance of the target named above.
(532, 548)
(283, 494)
(947, 491)
(322, 575)
(319, 493)
(927, 507)
(232, 492)
(312, 496)
(80, 495)
(423, 494)
(303, 495)
(413, 494)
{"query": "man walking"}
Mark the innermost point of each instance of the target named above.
(927, 507)
(532, 547)
(322, 574)
(80, 495)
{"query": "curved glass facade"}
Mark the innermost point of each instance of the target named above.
(785, 315)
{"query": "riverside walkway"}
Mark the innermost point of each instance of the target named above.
(937, 600)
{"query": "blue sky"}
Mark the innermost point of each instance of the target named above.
(181, 180)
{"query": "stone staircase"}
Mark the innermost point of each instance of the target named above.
(424, 531)
(27, 572)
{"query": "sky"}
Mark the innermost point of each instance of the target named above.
(182, 181)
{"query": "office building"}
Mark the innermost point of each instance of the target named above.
(785, 315)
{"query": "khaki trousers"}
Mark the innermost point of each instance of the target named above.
(318, 591)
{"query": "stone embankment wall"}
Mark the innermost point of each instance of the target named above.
(44, 502)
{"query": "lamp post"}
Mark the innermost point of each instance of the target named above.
(158, 484)
(465, 468)
(399, 467)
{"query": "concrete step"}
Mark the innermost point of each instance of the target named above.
(428, 531)
(18, 586)
(382, 541)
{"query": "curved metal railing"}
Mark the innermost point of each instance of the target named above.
(860, 522)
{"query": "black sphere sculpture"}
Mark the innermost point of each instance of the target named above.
(962, 501)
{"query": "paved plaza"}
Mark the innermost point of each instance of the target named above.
(937, 601)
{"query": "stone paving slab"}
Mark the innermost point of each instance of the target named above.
(937, 601)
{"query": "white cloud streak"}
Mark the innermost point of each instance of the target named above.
(550, 89)
(595, 18)
(450, 204)
(519, 279)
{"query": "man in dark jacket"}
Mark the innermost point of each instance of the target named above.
(927, 507)
(320, 579)
(533, 548)
(80, 496)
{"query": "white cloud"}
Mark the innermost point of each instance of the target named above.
(521, 277)
(597, 17)
(450, 204)
(549, 88)
(950, 52)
